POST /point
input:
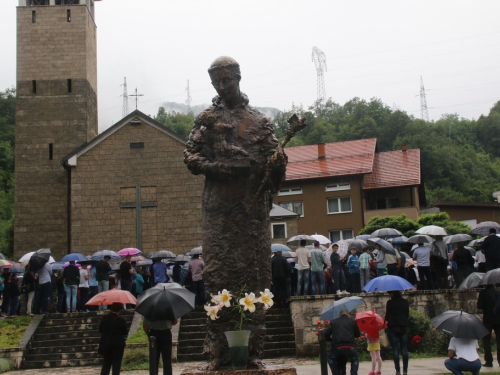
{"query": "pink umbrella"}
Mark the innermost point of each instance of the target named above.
(67, 264)
(129, 251)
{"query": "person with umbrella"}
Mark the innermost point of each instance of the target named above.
(158, 271)
(397, 314)
(342, 333)
(161, 330)
(464, 261)
(126, 272)
(317, 273)
(29, 283)
(114, 331)
(467, 358)
(195, 267)
(337, 271)
(102, 269)
(302, 259)
(44, 288)
(486, 302)
(380, 260)
(439, 262)
(422, 255)
(491, 246)
(280, 271)
(71, 275)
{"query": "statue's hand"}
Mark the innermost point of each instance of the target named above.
(278, 162)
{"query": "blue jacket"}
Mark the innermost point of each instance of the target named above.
(352, 262)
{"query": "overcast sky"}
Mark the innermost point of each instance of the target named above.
(373, 49)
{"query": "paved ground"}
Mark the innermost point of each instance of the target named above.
(304, 367)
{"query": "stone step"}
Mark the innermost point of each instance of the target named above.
(57, 322)
(279, 344)
(39, 337)
(279, 330)
(65, 342)
(61, 349)
(280, 338)
(193, 328)
(68, 356)
(62, 363)
(69, 328)
(190, 357)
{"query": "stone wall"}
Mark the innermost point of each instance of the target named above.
(307, 310)
(106, 176)
(53, 117)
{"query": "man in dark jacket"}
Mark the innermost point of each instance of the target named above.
(337, 271)
(397, 314)
(491, 246)
(71, 277)
(486, 302)
(342, 333)
(280, 272)
(465, 264)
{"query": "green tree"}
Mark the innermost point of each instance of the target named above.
(179, 123)
(442, 219)
(406, 226)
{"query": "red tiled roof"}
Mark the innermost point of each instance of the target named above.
(394, 168)
(341, 159)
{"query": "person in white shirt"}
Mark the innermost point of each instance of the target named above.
(83, 288)
(303, 258)
(466, 359)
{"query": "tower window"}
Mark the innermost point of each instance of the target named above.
(39, 2)
(137, 145)
(51, 151)
(33, 84)
(33, 16)
(69, 85)
(68, 15)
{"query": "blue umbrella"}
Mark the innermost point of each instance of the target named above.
(279, 247)
(72, 256)
(57, 266)
(387, 283)
(332, 311)
(99, 255)
(399, 239)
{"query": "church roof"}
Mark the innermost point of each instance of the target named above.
(136, 117)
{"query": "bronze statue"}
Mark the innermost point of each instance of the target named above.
(231, 144)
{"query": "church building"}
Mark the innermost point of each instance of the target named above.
(77, 191)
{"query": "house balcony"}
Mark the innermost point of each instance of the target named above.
(411, 212)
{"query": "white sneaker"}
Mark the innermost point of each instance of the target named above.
(345, 292)
(339, 292)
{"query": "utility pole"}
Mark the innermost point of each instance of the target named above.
(125, 98)
(136, 95)
(319, 58)
(188, 100)
(424, 113)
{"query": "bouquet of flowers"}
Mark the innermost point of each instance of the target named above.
(237, 301)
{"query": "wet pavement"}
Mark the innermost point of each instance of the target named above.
(304, 366)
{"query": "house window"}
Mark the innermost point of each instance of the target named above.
(339, 205)
(387, 203)
(290, 191)
(337, 235)
(39, 2)
(279, 230)
(296, 207)
(339, 186)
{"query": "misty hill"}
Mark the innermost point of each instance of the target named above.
(182, 108)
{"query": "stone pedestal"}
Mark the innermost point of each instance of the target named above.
(270, 370)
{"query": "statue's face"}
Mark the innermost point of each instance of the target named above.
(226, 82)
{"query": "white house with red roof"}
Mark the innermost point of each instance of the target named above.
(337, 187)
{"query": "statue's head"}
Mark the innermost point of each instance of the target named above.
(225, 75)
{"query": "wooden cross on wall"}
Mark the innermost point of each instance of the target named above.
(138, 205)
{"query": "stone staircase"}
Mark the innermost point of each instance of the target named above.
(63, 340)
(280, 337)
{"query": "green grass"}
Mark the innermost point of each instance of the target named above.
(136, 359)
(138, 337)
(12, 329)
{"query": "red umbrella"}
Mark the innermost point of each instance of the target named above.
(111, 296)
(370, 322)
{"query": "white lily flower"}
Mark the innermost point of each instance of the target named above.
(248, 302)
(266, 297)
(223, 298)
(212, 311)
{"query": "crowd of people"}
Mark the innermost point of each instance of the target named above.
(438, 265)
(68, 290)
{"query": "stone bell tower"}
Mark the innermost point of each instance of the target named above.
(56, 112)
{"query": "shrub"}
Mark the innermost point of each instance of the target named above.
(5, 365)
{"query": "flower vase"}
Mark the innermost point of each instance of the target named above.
(238, 348)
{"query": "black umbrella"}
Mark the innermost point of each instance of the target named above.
(491, 277)
(420, 238)
(471, 281)
(459, 324)
(99, 255)
(455, 238)
(358, 244)
(162, 254)
(484, 227)
(386, 246)
(386, 233)
(39, 259)
(165, 301)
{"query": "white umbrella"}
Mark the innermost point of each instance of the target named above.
(420, 238)
(321, 239)
(432, 230)
(485, 226)
(295, 240)
(343, 247)
(454, 238)
(385, 233)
